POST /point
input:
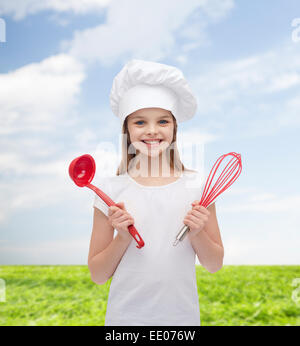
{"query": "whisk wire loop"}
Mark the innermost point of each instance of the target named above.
(233, 168)
(227, 177)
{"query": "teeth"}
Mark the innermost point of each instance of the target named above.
(151, 142)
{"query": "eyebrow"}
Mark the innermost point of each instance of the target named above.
(141, 117)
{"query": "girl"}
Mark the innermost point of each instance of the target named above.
(155, 285)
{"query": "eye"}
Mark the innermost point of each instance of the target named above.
(141, 121)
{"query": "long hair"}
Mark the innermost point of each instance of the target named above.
(173, 157)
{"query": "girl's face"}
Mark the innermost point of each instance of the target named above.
(151, 123)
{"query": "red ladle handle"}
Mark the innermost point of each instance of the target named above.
(132, 230)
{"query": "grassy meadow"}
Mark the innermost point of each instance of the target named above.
(66, 296)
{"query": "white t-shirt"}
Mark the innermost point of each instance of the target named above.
(154, 285)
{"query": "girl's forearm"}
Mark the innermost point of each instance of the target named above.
(103, 265)
(209, 253)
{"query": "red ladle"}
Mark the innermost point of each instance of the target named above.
(82, 171)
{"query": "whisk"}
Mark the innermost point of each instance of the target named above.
(227, 177)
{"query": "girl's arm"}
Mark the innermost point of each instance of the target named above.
(105, 251)
(205, 237)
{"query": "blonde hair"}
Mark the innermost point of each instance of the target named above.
(174, 161)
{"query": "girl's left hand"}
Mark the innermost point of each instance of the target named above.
(196, 218)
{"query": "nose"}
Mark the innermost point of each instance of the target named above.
(151, 129)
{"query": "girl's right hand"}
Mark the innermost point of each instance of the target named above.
(120, 219)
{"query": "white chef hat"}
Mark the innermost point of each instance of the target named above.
(147, 84)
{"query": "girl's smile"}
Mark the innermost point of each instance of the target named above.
(152, 144)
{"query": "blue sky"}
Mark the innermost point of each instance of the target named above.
(56, 72)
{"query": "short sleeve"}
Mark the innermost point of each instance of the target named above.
(98, 202)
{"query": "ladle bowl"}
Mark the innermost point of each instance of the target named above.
(82, 171)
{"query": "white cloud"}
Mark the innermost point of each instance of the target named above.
(37, 96)
(240, 190)
(33, 184)
(37, 103)
(265, 203)
(260, 74)
(182, 59)
(34, 171)
(290, 112)
(145, 30)
(259, 227)
(65, 251)
(195, 136)
(260, 250)
(252, 90)
(263, 197)
(285, 81)
(19, 9)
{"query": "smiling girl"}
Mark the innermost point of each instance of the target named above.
(154, 285)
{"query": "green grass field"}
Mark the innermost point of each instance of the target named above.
(66, 296)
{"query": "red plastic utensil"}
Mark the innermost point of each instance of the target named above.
(227, 177)
(82, 171)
